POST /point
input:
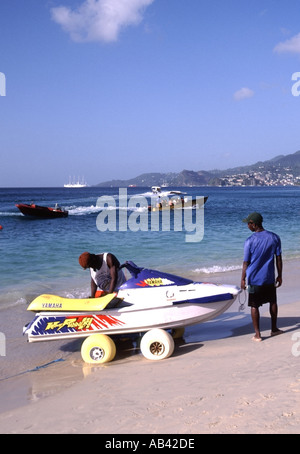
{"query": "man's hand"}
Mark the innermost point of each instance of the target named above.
(278, 282)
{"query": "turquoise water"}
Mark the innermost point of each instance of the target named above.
(41, 255)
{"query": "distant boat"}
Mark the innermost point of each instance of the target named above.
(78, 184)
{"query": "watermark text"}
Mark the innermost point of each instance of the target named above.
(296, 345)
(136, 214)
(2, 84)
(296, 85)
(2, 344)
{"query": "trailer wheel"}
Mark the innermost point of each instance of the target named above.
(157, 344)
(98, 349)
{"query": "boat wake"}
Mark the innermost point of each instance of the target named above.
(10, 213)
(92, 209)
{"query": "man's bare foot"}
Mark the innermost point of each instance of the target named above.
(275, 333)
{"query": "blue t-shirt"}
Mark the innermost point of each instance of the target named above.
(259, 251)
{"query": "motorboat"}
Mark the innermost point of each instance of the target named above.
(156, 190)
(149, 302)
(171, 200)
(41, 211)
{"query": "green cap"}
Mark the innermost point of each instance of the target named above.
(255, 217)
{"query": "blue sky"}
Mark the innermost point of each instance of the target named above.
(110, 89)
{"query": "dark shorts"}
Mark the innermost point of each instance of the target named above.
(261, 294)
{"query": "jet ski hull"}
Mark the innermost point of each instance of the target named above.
(51, 326)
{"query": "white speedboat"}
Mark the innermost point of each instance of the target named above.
(171, 200)
(150, 302)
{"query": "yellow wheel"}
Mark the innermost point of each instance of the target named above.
(98, 349)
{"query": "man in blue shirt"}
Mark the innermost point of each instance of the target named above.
(260, 250)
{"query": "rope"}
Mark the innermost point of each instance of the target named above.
(33, 370)
(242, 304)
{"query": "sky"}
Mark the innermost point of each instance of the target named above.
(111, 89)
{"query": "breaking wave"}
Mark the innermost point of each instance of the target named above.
(216, 269)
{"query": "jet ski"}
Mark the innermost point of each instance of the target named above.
(149, 302)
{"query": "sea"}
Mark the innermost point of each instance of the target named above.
(41, 255)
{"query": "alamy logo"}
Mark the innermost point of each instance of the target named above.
(296, 86)
(135, 214)
(2, 84)
(296, 345)
(2, 345)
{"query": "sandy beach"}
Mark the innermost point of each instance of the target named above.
(217, 381)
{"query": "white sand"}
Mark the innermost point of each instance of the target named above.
(217, 381)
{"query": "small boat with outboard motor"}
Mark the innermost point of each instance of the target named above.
(149, 302)
(39, 211)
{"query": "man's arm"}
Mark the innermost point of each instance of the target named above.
(93, 288)
(243, 279)
(113, 264)
(279, 267)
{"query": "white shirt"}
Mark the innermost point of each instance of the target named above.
(102, 277)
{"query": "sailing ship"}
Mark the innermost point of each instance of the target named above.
(76, 184)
